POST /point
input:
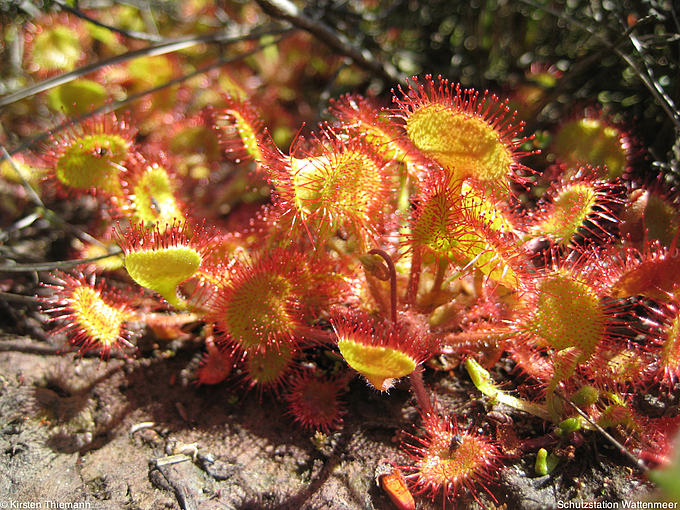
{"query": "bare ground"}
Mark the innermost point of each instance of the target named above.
(137, 434)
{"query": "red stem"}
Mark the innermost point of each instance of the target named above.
(416, 377)
(418, 388)
(393, 280)
(414, 278)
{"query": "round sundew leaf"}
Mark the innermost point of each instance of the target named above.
(494, 261)
(433, 229)
(77, 97)
(308, 183)
(344, 185)
(569, 211)
(625, 365)
(565, 362)
(465, 225)
(150, 71)
(95, 317)
(258, 310)
(93, 161)
(267, 365)
(377, 364)
(655, 278)
(465, 146)
(450, 460)
(163, 270)
(247, 127)
(568, 315)
(33, 175)
(660, 219)
(313, 401)
(481, 206)
(442, 465)
(593, 142)
(670, 354)
(57, 48)
(154, 198)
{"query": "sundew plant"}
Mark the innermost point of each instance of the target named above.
(405, 196)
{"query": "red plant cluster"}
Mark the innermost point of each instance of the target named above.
(390, 236)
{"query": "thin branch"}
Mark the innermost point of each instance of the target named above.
(11, 297)
(43, 349)
(32, 348)
(286, 10)
(228, 36)
(118, 104)
(654, 88)
(35, 198)
(650, 72)
(638, 462)
(49, 266)
(40, 206)
(127, 33)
